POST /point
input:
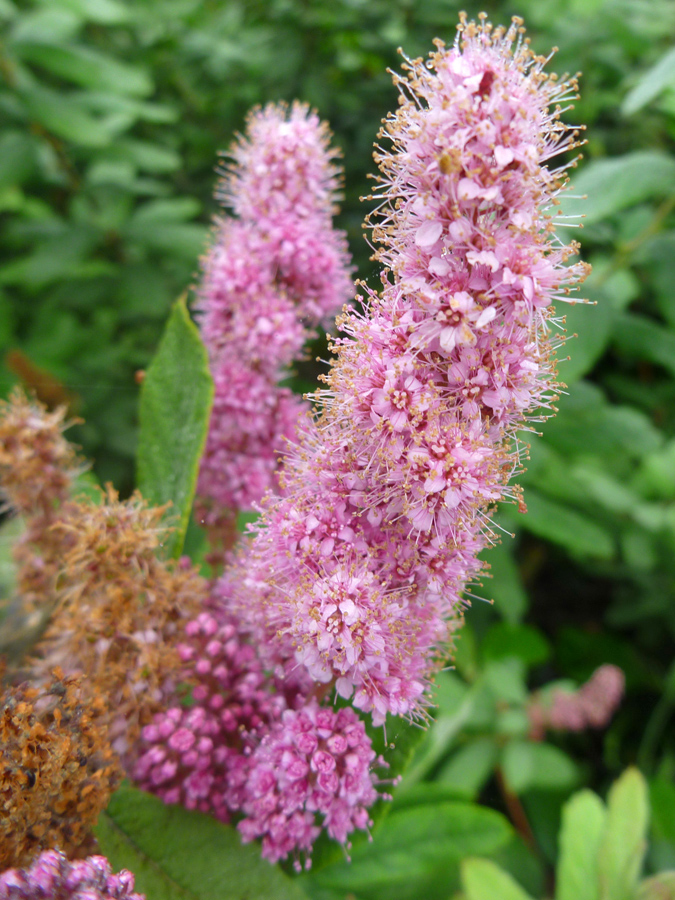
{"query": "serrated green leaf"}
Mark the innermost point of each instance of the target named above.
(567, 527)
(176, 854)
(583, 824)
(175, 406)
(615, 184)
(87, 68)
(624, 843)
(483, 880)
(657, 79)
(415, 851)
(528, 765)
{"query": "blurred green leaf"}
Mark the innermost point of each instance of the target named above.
(657, 79)
(637, 336)
(86, 67)
(17, 158)
(175, 406)
(624, 843)
(176, 854)
(522, 641)
(505, 586)
(617, 183)
(468, 769)
(104, 12)
(483, 880)
(528, 765)
(565, 526)
(66, 117)
(583, 825)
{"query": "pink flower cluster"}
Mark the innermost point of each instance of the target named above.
(314, 762)
(187, 753)
(357, 572)
(592, 706)
(353, 580)
(240, 747)
(272, 274)
(53, 877)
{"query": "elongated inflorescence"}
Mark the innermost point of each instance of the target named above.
(357, 573)
(272, 274)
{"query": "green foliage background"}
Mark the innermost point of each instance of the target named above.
(111, 115)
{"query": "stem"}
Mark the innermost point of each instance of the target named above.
(516, 811)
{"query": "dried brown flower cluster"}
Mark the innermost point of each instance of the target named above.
(37, 470)
(119, 608)
(115, 606)
(57, 769)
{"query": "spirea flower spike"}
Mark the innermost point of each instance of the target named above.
(359, 570)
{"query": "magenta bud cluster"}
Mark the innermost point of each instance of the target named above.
(53, 877)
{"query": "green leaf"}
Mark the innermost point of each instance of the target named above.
(414, 852)
(506, 585)
(65, 117)
(589, 328)
(562, 525)
(175, 405)
(87, 68)
(637, 336)
(525, 642)
(470, 767)
(528, 765)
(659, 887)
(652, 83)
(624, 843)
(615, 184)
(662, 801)
(483, 880)
(583, 824)
(176, 854)
(104, 12)
(17, 158)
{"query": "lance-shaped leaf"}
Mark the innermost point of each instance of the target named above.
(176, 399)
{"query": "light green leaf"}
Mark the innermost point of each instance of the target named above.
(527, 765)
(175, 854)
(105, 12)
(175, 406)
(87, 67)
(624, 843)
(615, 184)
(657, 79)
(589, 328)
(562, 525)
(470, 767)
(583, 823)
(483, 880)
